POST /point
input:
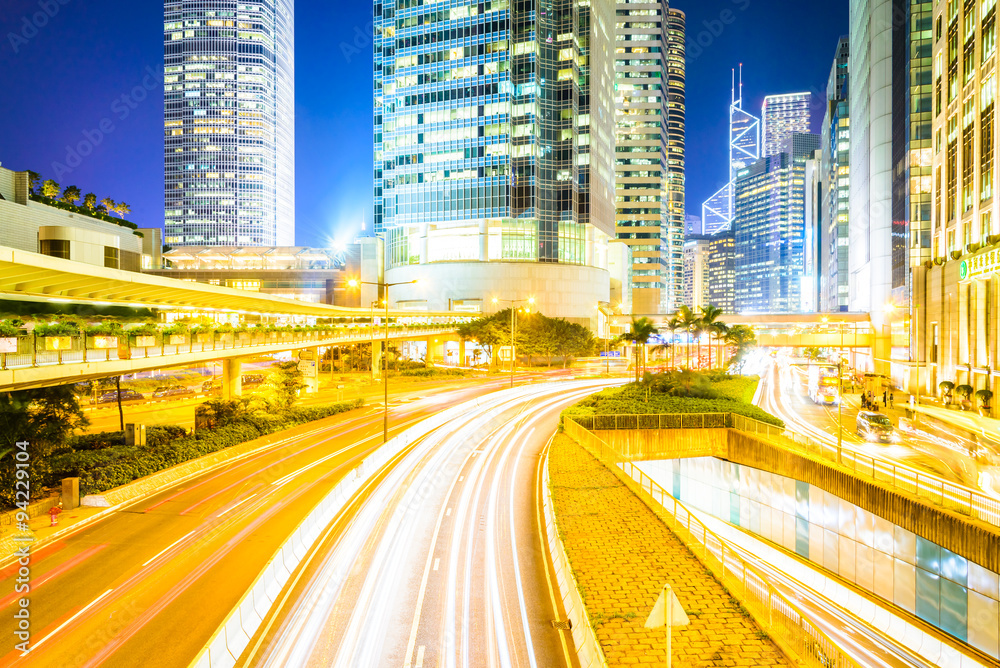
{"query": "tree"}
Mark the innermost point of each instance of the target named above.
(50, 189)
(687, 320)
(71, 195)
(34, 183)
(719, 329)
(946, 387)
(673, 325)
(90, 201)
(743, 339)
(122, 209)
(709, 316)
(109, 204)
(812, 353)
(638, 334)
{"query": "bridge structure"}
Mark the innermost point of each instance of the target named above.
(31, 361)
(779, 330)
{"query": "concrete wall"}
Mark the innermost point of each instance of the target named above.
(19, 225)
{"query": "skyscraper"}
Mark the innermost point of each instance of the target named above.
(782, 116)
(769, 227)
(649, 148)
(494, 162)
(229, 122)
(836, 138)
(722, 272)
(744, 149)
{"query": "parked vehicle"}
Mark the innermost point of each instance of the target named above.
(823, 385)
(876, 428)
(252, 379)
(112, 396)
(163, 392)
(211, 385)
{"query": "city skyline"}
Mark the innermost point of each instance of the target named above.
(327, 210)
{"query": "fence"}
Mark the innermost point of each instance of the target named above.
(75, 349)
(928, 487)
(776, 614)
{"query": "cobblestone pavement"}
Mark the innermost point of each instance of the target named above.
(622, 555)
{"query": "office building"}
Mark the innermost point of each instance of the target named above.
(783, 116)
(744, 149)
(813, 220)
(692, 225)
(649, 148)
(770, 230)
(696, 276)
(836, 142)
(722, 272)
(494, 154)
(229, 123)
(956, 298)
(890, 100)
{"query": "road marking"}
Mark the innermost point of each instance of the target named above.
(158, 554)
(64, 624)
(447, 513)
(461, 478)
(236, 505)
(420, 657)
(437, 562)
(545, 545)
(56, 572)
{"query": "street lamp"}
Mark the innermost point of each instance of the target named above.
(513, 324)
(371, 329)
(353, 283)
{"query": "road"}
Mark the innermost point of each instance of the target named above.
(443, 563)
(149, 584)
(928, 448)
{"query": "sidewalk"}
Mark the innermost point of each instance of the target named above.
(622, 554)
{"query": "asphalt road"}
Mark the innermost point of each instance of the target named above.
(442, 562)
(150, 584)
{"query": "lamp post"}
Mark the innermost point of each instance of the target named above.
(385, 379)
(513, 324)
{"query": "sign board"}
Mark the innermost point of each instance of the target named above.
(658, 617)
(145, 341)
(58, 342)
(505, 353)
(378, 321)
(307, 355)
(613, 353)
(308, 368)
(103, 342)
(8, 344)
(980, 265)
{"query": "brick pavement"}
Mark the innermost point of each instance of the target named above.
(622, 554)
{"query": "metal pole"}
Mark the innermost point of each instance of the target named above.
(371, 329)
(840, 402)
(607, 343)
(385, 376)
(916, 344)
(668, 599)
(513, 344)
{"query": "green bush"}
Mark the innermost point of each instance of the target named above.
(11, 328)
(56, 329)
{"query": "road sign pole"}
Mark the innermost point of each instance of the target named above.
(670, 619)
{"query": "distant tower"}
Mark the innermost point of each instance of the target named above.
(783, 116)
(744, 149)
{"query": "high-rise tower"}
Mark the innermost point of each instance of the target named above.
(229, 122)
(783, 116)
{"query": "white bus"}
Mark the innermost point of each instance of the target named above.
(824, 384)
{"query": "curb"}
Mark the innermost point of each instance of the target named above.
(588, 648)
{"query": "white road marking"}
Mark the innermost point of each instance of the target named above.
(437, 562)
(66, 623)
(157, 555)
(447, 513)
(236, 505)
(420, 657)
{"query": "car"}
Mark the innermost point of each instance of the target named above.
(112, 396)
(211, 385)
(252, 379)
(162, 392)
(876, 428)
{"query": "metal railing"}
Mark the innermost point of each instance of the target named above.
(931, 488)
(32, 353)
(782, 619)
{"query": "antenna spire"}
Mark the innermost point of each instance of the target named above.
(733, 90)
(741, 83)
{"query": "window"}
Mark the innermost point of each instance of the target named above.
(55, 248)
(110, 257)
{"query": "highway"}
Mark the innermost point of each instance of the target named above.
(443, 562)
(150, 583)
(929, 448)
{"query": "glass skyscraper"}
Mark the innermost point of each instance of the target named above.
(783, 116)
(494, 163)
(649, 149)
(836, 134)
(229, 122)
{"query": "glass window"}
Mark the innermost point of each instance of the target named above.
(111, 257)
(55, 248)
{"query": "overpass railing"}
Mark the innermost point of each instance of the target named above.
(931, 488)
(775, 613)
(38, 351)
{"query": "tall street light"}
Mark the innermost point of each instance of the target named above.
(385, 377)
(840, 394)
(513, 324)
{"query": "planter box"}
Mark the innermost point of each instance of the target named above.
(177, 339)
(203, 338)
(225, 338)
(244, 336)
(57, 342)
(145, 341)
(102, 342)
(8, 344)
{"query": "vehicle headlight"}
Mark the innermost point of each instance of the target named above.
(895, 437)
(872, 436)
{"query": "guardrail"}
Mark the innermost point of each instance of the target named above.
(931, 488)
(776, 614)
(32, 352)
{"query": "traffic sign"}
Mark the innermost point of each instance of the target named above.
(613, 353)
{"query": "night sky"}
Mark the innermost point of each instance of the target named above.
(88, 72)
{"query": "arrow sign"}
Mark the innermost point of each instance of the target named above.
(658, 617)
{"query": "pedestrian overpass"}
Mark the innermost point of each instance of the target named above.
(798, 330)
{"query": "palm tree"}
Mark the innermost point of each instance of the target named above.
(720, 330)
(742, 338)
(709, 315)
(109, 204)
(673, 325)
(122, 209)
(638, 334)
(71, 195)
(688, 320)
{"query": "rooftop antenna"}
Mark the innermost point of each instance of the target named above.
(741, 84)
(733, 89)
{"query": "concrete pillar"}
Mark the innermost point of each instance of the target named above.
(377, 354)
(461, 352)
(232, 378)
(483, 237)
(70, 493)
(435, 351)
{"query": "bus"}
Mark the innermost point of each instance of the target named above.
(824, 381)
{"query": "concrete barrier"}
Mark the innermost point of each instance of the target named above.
(588, 649)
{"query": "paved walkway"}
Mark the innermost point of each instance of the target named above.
(622, 554)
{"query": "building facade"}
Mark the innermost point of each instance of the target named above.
(229, 122)
(813, 219)
(673, 234)
(494, 160)
(722, 272)
(696, 272)
(783, 116)
(956, 309)
(770, 230)
(836, 137)
(744, 149)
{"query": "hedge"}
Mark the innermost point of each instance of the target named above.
(103, 462)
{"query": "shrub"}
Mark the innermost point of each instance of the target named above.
(965, 391)
(106, 329)
(10, 328)
(56, 329)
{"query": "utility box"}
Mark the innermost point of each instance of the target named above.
(135, 434)
(70, 493)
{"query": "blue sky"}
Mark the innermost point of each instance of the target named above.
(81, 73)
